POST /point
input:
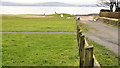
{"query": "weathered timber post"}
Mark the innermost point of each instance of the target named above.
(78, 18)
(89, 61)
(78, 30)
(82, 45)
(79, 41)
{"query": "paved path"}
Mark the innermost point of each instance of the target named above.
(44, 32)
(103, 34)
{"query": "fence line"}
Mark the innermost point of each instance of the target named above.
(85, 50)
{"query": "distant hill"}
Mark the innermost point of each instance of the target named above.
(94, 5)
(44, 4)
(13, 4)
(52, 4)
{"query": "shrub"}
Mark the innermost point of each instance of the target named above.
(104, 10)
(117, 10)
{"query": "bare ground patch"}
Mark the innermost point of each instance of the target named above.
(31, 16)
(70, 18)
(85, 18)
(28, 16)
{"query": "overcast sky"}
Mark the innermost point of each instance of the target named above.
(64, 1)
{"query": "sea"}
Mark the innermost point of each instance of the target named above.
(49, 10)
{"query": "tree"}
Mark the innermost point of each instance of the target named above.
(109, 3)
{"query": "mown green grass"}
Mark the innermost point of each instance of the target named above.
(56, 24)
(39, 50)
(104, 56)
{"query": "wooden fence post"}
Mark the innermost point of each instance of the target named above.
(79, 41)
(89, 61)
(78, 35)
(82, 45)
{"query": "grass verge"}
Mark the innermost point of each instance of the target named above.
(111, 25)
(104, 56)
(85, 28)
(96, 16)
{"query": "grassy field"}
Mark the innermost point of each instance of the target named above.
(45, 49)
(40, 50)
(16, 23)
